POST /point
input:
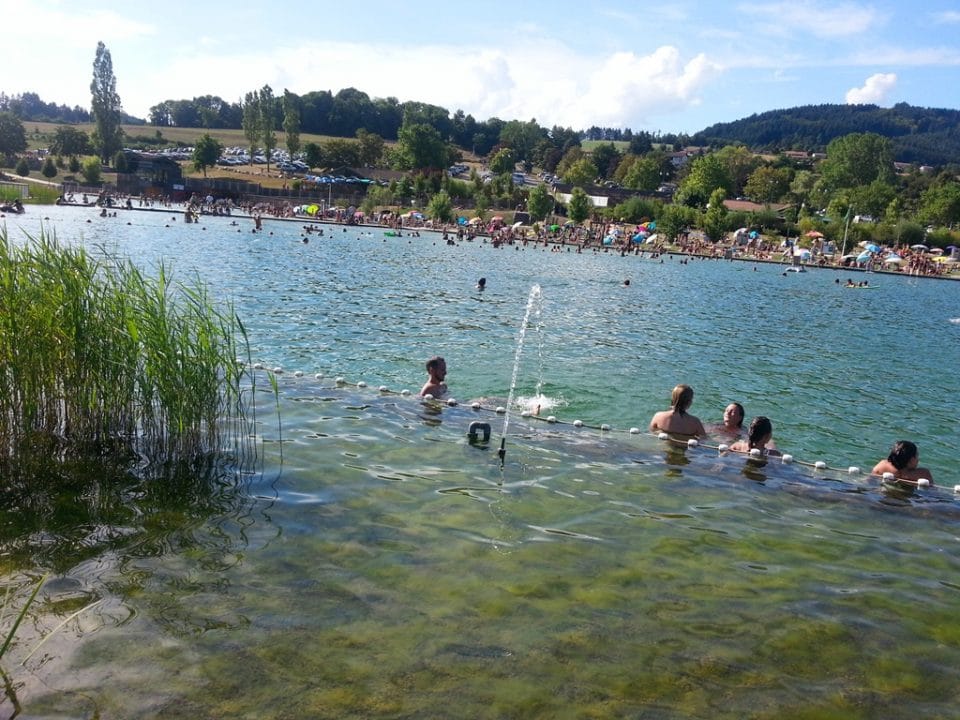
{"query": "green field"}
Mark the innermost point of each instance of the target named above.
(589, 145)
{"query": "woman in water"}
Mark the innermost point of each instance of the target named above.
(677, 420)
(759, 437)
(732, 425)
(902, 462)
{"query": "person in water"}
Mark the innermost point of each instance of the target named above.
(759, 437)
(482, 284)
(436, 372)
(677, 420)
(902, 462)
(732, 425)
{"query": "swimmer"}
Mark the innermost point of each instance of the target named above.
(902, 462)
(677, 420)
(759, 437)
(482, 284)
(626, 283)
(437, 372)
(732, 424)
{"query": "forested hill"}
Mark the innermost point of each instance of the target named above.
(926, 136)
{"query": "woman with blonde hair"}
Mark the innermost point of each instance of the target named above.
(676, 420)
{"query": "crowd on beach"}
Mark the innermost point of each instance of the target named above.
(902, 462)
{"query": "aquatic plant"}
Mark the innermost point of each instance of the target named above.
(98, 356)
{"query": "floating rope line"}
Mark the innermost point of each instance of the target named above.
(722, 449)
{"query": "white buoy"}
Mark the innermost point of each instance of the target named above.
(663, 436)
(756, 452)
(551, 418)
(820, 465)
(692, 442)
(404, 392)
(634, 431)
(475, 405)
(278, 370)
(361, 384)
(452, 402)
(384, 388)
(526, 413)
(258, 366)
(956, 488)
(889, 477)
(318, 376)
(298, 373)
(340, 381)
(427, 397)
(723, 447)
(500, 410)
(853, 470)
(923, 482)
(604, 427)
(787, 459)
(578, 423)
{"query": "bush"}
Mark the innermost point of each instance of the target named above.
(23, 167)
(74, 165)
(91, 171)
(49, 168)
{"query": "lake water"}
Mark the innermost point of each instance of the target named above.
(377, 564)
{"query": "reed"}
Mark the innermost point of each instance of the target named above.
(97, 356)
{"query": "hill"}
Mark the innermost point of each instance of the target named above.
(926, 136)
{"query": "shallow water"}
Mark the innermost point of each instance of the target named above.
(389, 568)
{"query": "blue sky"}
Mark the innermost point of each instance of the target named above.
(667, 67)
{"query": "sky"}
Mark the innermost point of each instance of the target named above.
(662, 67)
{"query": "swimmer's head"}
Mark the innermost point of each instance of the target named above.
(682, 398)
(902, 452)
(733, 415)
(761, 430)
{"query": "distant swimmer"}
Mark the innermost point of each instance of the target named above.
(677, 420)
(436, 372)
(759, 437)
(902, 462)
(482, 284)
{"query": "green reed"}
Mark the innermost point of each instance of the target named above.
(96, 355)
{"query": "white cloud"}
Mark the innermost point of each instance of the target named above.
(874, 91)
(542, 80)
(818, 19)
(947, 16)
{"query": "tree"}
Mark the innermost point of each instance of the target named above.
(419, 147)
(314, 154)
(371, 147)
(291, 122)
(579, 206)
(674, 220)
(91, 171)
(266, 122)
(70, 141)
(502, 162)
(74, 164)
(120, 162)
(941, 204)
(105, 103)
(540, 202)
(23, 167)
(206, 152)
(251, 121)
(49, 168)
(582, 172)
(440, 207)
(715, 219)
(13, 136)
(858, 159)
(606, 157)
(767, 184)
(643, 174)
(707, 173)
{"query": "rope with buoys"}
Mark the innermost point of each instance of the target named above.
(476, 429)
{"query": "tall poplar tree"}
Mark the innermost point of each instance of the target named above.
(251, 121)
(105, 104)
(267, 122)
(291, 122)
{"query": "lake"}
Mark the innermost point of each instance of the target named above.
(376, 563)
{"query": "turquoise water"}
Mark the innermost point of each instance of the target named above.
(387, 568)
